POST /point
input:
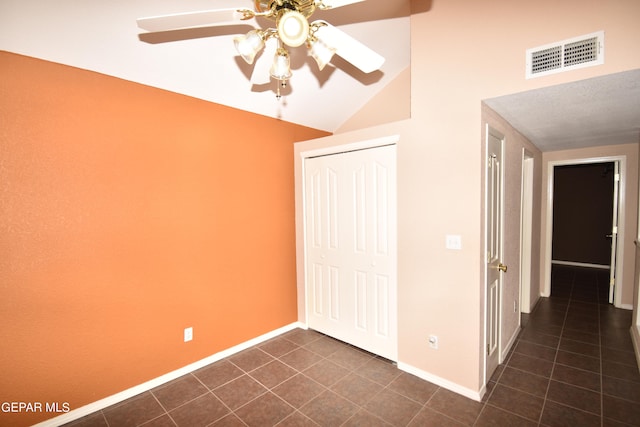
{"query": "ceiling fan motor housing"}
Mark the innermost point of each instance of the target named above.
(305, 7)
(291, 18)
(293, 28)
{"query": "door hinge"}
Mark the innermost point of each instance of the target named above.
(616, 177)
(487, 349)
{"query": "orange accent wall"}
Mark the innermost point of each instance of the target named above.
(128, 213)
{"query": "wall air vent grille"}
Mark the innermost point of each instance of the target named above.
(582, 51)
(546, 59)
(578, 52)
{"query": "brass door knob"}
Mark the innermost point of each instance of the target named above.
(502, 267)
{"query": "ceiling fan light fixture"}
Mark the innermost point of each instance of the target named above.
(249, 45)
(321, 52)
(293, 28)
(281, 68)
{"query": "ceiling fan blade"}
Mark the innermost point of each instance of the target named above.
(189, 20)
(332, 4)
(350, 49)
(261, 70)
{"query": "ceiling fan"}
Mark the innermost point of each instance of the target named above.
(292, 29)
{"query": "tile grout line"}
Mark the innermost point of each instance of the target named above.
(164, 409)
(578, 301)
(209, 390)
(600, 345)
(329, 388)
(359, 407)
(104, 417)
(486, 402)
(511, 353)
(268, 389)
(300, 372)
(555, 359)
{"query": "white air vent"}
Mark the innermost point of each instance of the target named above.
(570, 54)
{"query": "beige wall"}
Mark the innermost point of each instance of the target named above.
(635, 328)
(629, 205)
(392, 104)
(464, 52)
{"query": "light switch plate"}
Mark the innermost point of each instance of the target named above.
(453, 241)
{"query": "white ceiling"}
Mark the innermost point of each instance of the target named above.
(598, 111)
(102, 36)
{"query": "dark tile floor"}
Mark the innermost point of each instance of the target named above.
(572, 365)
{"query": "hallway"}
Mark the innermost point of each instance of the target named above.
(572, 365)
(573, 362)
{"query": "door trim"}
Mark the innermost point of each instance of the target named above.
(497, 134)
(526, 230)
(622, 161)
(354, 146)
(301, 153)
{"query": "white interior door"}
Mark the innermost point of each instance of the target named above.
(494, 240)
(350, 231)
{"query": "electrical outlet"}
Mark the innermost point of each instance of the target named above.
(188, 334)
(433, 342)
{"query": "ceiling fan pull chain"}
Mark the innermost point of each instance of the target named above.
(279, 84)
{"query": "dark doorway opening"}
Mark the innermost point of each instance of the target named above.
(583, 214)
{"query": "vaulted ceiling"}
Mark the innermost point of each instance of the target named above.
(102, 36)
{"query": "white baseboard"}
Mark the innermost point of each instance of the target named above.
(635, 338)
(451, 386)
(163, 379)
(533, 305)
(512, 340)
(581, 264)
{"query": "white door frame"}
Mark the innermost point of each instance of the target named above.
(622, 161)
(614, 232)
(526, 230)
(301, 203)
(635, 326)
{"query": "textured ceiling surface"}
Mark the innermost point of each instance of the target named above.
(597, 111)
(102, 36)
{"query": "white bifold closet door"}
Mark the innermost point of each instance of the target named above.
(350, 231)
